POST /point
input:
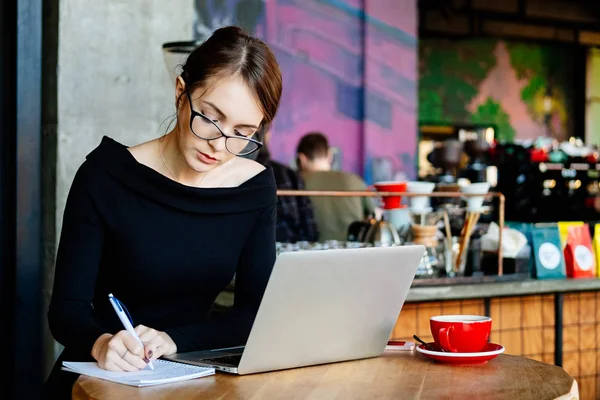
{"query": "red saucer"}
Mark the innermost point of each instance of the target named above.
(490, 351)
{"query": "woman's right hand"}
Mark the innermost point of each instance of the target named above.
(120, 352)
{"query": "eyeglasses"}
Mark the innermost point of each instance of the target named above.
(205, 128)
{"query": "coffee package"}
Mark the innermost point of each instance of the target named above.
(596, 242)
(563, 229)
(525, 228)
(579, 253)
(547, 250)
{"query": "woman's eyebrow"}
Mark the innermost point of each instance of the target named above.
(222, 115)
(217, 109)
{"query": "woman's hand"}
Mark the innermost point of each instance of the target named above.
(156, 343)
(120, 352)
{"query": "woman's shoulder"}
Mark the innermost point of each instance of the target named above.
(239, 171)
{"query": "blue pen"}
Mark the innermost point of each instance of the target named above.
(120, 310)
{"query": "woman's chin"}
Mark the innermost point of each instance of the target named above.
(199, 166)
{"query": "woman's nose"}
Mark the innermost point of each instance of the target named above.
(218, 144)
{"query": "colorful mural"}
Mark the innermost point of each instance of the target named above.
(349, 69)
(522, 88)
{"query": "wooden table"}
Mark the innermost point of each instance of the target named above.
(395, 375)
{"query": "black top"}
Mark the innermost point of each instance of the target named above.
(164, 249)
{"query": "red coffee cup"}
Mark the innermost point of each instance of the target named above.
(461, 333)
(391, 202)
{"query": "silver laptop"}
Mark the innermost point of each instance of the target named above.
(321, 307)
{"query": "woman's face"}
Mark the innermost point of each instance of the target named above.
(231, 105)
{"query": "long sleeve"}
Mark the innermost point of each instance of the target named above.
(79, 252)
(253, 271)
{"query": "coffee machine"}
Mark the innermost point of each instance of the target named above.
(450, 152)
(476, 144)
(446, 156)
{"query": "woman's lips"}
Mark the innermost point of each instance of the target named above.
(206, 159)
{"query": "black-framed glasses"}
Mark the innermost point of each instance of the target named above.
(205, 128)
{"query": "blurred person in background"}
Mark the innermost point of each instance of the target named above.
(332, 214)
(295, 219)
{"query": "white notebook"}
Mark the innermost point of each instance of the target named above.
(164, 372)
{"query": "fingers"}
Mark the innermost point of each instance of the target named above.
(151, 339)
(130, 343)
(123, 353)
(110, 366)
(146, 334)
(124, 364)
(155, 347)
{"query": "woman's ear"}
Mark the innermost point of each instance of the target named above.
(179, 91)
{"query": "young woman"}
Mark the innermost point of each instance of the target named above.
(166, 224)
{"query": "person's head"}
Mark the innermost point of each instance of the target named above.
(229, 84)
(313, 153)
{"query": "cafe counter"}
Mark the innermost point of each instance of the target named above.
(554, 321)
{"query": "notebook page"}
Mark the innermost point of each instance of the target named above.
(164, 372)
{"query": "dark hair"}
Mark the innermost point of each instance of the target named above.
(313, 145)
(228, 52)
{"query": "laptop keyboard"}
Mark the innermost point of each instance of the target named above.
(227, 360)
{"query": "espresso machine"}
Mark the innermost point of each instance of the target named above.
(446, 156)
(477, 149)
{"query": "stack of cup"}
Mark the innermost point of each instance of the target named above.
(475, 203)
(420, 204)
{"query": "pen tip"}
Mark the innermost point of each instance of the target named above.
(151, 365)
(110, 295)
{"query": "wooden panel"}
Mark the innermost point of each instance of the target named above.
(495, 314)
(426, 311)
(533, 341)
(597, 307)
(473, 308)
(515, 29)
(589, 38)
(570, 338)
(532, 311)
(548, 310)
(451, 308)
(510, 313)
(548, 358)
(406, 326)
(495, 337)
(571, 364)
(571, 309)
(588, 363)
(587, 388)
(548, 335)
(587, 307)
(511, 340)
(587, 337)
